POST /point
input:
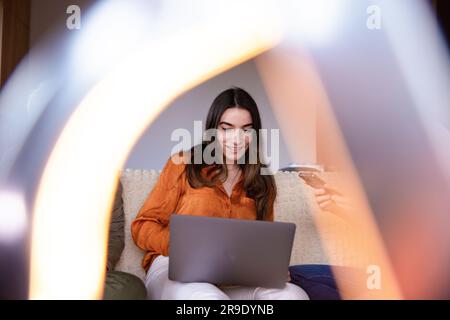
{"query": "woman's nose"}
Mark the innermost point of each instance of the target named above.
(239, 136)
(235, 137)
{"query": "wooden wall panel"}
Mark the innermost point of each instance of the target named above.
(16, 34)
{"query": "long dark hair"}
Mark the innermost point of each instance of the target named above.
(259, 187)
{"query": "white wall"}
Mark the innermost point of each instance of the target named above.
(154, 147)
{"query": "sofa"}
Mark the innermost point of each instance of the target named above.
(295, 203)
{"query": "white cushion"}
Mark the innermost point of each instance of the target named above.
(136, 184)
(295, 203)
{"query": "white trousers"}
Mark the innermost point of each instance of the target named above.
(159, 287)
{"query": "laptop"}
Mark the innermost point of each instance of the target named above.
(229, 251)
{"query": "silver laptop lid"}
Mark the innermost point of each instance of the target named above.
(229, 251)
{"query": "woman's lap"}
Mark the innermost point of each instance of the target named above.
(160, 287)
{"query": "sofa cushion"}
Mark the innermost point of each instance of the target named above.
(295, 203)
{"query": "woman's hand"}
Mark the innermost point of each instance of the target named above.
(323, 199)
(289, 277)
(334, 203)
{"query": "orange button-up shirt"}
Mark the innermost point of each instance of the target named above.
(173, 194)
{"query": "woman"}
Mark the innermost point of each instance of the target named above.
(225, 181)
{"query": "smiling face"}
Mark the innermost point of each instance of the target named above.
(234, 133)
(233, 125)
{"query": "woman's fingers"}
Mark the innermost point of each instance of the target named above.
(323, 198)
(326, 201)
(319, 192)
(339, 200)
(325, 204)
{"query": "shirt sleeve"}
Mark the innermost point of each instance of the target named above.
(150, 229)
